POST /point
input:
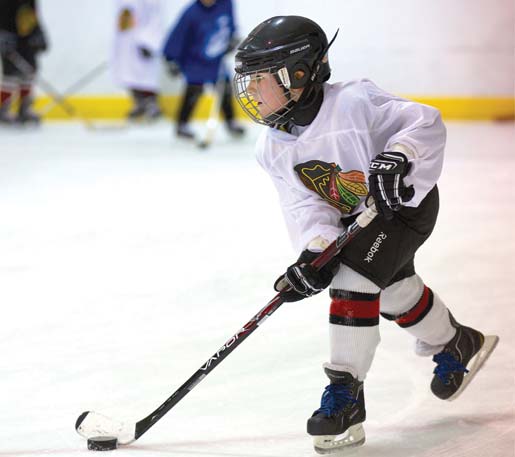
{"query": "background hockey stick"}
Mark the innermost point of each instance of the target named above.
(91, 424)
(26, 68)
(213, 119)
(76, 86)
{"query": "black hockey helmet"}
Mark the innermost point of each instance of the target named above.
(293, 49)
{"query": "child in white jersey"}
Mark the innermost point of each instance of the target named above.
(327, 148)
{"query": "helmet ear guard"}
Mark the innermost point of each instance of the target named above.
(300, 74)
(295, 77)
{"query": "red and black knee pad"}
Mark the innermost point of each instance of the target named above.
(415, 314)
(355, 309)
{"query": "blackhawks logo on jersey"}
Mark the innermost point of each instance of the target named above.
(341, 189)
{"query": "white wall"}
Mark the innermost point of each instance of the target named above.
(416, 47)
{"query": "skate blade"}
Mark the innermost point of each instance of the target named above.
(477, 362)
(331, 444)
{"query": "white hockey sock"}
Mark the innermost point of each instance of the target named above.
(354, 323)
(420, 312)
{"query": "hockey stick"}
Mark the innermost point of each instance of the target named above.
(93, 425)
(214, 113)
(26, 68)
(76, 86)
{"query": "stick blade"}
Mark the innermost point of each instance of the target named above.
(91, 424)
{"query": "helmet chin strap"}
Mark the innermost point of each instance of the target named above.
(308, 105)
(302, 111)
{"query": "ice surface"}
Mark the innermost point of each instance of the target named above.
(128, 258)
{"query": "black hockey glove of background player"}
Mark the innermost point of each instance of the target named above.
(386, 185)
(304, 279)
(37, 40)
(173, 68)
(144, 52)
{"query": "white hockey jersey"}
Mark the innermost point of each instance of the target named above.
(322, 175)
(138, 23)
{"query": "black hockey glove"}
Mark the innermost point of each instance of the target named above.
(37, 40)
(173, 69)
(144, 52)
(8, 42)
(385, 182)
(304, 279)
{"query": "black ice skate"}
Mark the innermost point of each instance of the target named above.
(28, 117)
(25, 115)
(337, 424)
(152, 111)
(184, 131)
(136, 113)
(235, 129)
(460, 360)
(5, 117)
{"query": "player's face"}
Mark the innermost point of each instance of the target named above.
(266, 93)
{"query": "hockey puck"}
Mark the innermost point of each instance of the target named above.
(102, 443)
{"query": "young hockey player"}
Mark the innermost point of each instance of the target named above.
(327, 147)
(196, 47)
(21, 40)
(135, 58)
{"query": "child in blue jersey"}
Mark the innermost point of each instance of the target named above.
(196, 47)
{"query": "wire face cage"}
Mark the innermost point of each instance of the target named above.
(265, 95)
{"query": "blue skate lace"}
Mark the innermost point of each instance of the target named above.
(447, 364)
(334, 399)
